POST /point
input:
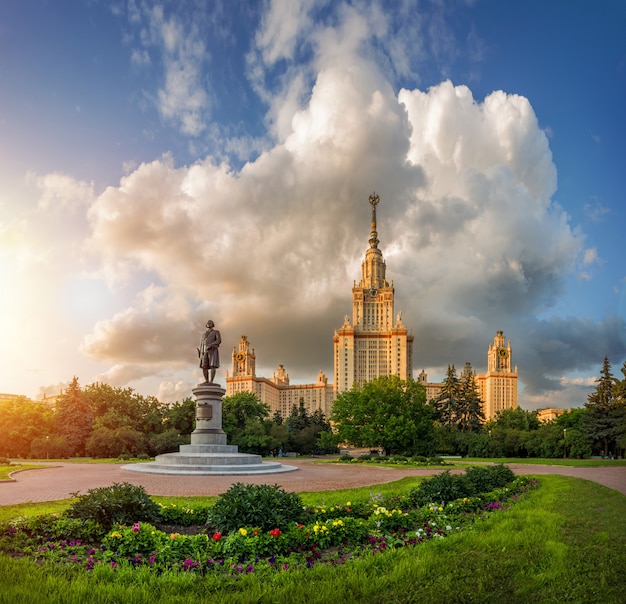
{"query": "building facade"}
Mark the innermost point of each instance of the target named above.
(375, 343)
(497, 387)
(276, 392)
(372, 343)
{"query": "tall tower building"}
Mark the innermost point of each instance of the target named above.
(498, 386)
(375, 343)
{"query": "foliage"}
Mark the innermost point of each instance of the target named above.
(181, 416)
(188, 515)
(73, 418)
(22, 421)
(447, 487)
(243, 416)
(118, 504)
(262, 506)
(166, 442)
(386, 412)
(334, 536)
(115, 408)
(540, 550)
(445, 405)
(605, 420)
(55, 447)
(118, 442)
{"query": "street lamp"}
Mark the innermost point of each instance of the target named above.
(564, 442)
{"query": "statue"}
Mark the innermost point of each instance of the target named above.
(209, 353)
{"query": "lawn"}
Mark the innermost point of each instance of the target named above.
(564, 542)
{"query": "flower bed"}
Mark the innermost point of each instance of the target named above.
(334, 535)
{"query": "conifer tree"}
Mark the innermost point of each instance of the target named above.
(446, 404)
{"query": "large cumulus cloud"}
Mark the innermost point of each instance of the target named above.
(471, 235)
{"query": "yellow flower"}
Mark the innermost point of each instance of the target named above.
(243, 532)
(116, 535)
(348, 504)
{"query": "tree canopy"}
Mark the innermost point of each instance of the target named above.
(387, 412)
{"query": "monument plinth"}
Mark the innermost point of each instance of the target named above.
(208, 453)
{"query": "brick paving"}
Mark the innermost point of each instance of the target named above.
(60, 480)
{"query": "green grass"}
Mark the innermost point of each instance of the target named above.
(577, 463)
(5, 471)
(566, 542)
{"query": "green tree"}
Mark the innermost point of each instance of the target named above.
(298, 418)
(606, 412)
(386, 412)
(469, 413)
(118, 407)
(22, 421)
(243, 416)
(446, 405)
(180, 417)
(73, 418)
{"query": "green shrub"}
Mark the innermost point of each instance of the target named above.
(256, 505)
(118, 504)
(184, 516)
(482, 479)
(447, 487)
(5, 461)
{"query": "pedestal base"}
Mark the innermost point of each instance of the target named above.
(208, 453)
(216, 460)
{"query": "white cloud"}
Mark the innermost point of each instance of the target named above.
(466, 224)
(62, 191)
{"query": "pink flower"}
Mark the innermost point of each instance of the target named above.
(136, 527)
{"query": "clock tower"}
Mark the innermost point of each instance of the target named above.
(498, 386)
(243, 359)
(376, 343)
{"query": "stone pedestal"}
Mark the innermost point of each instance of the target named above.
(208, 453)
(208, 415)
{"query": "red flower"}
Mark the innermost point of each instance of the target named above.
(275, 532)
(217, 536)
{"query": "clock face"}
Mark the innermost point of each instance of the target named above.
(373, 292)
(240, 356)
(503, 353)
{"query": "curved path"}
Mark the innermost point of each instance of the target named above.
(62, 480)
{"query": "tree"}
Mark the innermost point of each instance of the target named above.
(469, 414)
(243, 416)
(606, 411)
(22, 421)
(73, 418)
(117, 407)
(446, 404)
(181, 417)
(386, 412)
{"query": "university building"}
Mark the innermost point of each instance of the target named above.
(276, 391)
(497, 388)
(372, 343)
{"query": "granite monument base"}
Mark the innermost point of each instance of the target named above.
(208, 453)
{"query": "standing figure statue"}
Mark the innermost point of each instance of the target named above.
(209, 353)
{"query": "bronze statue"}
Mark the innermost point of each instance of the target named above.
(209, 353)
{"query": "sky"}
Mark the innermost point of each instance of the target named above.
(166, 163)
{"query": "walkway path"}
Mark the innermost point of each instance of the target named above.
(60, 480)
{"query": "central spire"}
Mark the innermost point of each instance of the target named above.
(374, 200)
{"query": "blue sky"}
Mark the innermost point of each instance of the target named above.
(166, 163)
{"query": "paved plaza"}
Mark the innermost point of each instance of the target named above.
(58, 480)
